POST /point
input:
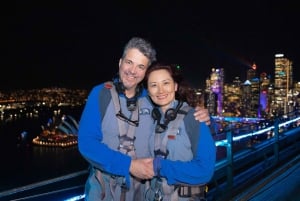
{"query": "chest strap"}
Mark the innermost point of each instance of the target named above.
(160, 144)
(126, 131)
(169, 191)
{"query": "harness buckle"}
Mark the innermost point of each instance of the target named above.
(126, 144)
(161, 153)
(192, 191)
(158, 195)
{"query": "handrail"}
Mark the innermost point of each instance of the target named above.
(42, 183)
(259, 154)
(226, 167)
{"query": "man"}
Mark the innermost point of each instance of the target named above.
(115, 127)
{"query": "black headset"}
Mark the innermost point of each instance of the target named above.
(130, 102)
(170, 115)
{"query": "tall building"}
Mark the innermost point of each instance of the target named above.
(265, 93)
(283, 83)
(253, 97)
(232, 99)
(214, 88)
(246, 98)
(251, 73)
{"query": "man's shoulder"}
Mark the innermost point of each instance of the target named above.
(97, 89)
(144, 98)
(102, 85)
(187, 109)
(189, 117)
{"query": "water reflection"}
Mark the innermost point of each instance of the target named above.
(24, 163)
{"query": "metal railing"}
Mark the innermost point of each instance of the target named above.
(265, 149)
(248, 156)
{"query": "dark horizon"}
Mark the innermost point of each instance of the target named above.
(78, 45)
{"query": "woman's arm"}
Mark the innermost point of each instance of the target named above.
(200, 169)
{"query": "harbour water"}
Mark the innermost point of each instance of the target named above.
(23, 163)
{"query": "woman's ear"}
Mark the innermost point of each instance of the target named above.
(120, 61)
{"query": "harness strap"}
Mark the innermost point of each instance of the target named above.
(193, 191)
(126, 139)
(99, 178)
(113, 183)
(126, 131)
(167, 192)
(160, 145)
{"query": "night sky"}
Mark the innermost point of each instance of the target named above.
(78, 44)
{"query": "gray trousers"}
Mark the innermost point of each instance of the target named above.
(108, 188)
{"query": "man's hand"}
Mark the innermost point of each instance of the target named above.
(142, 168)
(202, 115)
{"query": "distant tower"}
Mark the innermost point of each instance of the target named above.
(216, 87)
(264, 92)
(210, 98)
(253, 97)
(246, 97)
(283, 82)
(251, 73)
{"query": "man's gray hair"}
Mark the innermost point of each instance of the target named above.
(143, 46)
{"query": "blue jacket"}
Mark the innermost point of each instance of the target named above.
(192, 153)
(98, 135)
(98, 140)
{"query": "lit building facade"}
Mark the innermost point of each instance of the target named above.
(257, 96)
(232, 101)
(214, 90)
(265, 94)
(283, 83)
(251, 94)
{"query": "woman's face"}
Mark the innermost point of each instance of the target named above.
(161, 88)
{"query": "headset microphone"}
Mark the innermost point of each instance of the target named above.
(170, 115)
(131, 103)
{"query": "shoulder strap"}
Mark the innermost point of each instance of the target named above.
(126, 131)
(160, 145)
(191, 128)
(105, 98)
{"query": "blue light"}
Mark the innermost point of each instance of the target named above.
(78, 197)
(225, 142)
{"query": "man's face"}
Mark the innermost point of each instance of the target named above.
(132, 68)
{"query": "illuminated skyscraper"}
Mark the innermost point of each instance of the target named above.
(215, 87)
(283, 82)
(265, 92)
(251, 90)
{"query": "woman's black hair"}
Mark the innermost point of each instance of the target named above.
(184, 92)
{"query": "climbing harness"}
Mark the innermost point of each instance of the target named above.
(126, 145)
(159, 190)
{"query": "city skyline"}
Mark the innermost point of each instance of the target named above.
(75, 44)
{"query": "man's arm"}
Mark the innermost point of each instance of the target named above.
(202, 115)
(142, 168)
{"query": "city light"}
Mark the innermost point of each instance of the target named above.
(78, 197)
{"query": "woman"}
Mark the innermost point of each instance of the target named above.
(184, 149)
